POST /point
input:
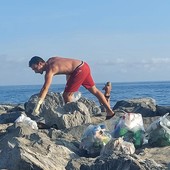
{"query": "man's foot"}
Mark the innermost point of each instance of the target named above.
(109, 116)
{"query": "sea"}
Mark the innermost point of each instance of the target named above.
(160, 91)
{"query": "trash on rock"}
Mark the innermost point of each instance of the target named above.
(158, 132)
(27, 120)
(118, 144)
(130, 127)
(94, 138)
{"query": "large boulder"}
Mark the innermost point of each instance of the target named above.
(72, 114)
(162, 110)
(24, 148)
(145, 106)
(93, 108)
(52, 100)
(53, 111)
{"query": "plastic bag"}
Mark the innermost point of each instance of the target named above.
(94, 138)
(118, 145)
(159, 132)
(131, 127)
(76, 96)
(27, 120)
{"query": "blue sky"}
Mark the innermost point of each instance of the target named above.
(123, 41)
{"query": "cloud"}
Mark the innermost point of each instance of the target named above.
(137, 63)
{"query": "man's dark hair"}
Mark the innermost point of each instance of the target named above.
(35, 60)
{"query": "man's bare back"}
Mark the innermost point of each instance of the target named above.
(60, 65)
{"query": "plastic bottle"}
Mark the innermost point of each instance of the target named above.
(138, 138)
(120, 129)
(76, 96)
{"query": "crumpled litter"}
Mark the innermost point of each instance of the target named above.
(118, 144)
(28, 121)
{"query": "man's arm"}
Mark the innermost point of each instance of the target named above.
(43, 92)
(47, 83)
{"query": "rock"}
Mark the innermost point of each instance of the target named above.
(162, 110)
(115, 161)
(91, 105)
(9, 117)
(144, 106)
(24, 148)
(76, 164)
(74, 114)
(54, 112)
(52, 100)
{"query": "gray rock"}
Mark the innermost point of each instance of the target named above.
(9, 117)
(116, 161)
(74, 114)
(91, 105)
(54, 112)
(144, 106)
(52, 100)
(23, 148)
(162, 110)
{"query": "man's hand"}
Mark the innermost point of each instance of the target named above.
(36, 111)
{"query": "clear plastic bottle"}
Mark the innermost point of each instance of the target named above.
(138, 138)
(76, 96)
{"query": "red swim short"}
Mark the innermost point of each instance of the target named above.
(80, 76)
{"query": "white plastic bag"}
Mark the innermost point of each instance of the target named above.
(76, 96)
(27, 120)
(133, 121)
(94, 138)
(131, 127)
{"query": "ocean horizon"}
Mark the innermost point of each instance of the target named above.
(158, 90)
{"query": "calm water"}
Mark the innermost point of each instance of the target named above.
(160, 91)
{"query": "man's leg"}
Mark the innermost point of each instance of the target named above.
(68, 96)
(102, 100)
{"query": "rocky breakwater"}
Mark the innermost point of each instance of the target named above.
(56, 144)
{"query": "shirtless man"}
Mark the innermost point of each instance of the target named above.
(77, 73)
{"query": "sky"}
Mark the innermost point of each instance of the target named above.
(122, 41)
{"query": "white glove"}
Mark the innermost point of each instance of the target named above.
(36, 111)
